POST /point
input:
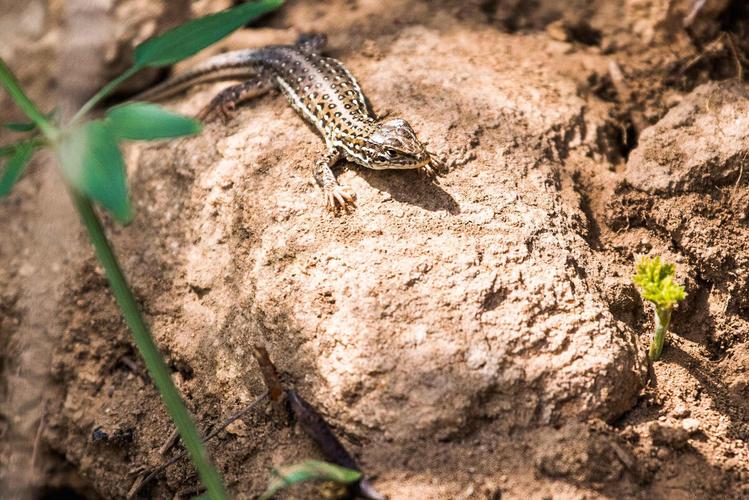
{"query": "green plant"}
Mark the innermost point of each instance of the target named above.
(655, 281)
(309, 470)
(93, 170)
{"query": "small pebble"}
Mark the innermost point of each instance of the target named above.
(26, 270)
(691, 425)
(681, 411)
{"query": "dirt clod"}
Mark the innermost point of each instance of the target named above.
(701, 144)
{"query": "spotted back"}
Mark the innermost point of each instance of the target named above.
(322, 91)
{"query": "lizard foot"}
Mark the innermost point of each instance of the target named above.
(340, 197)
(222, 109)
(429, 171)
(435, 168)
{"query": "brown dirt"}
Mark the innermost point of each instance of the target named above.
(479, 338)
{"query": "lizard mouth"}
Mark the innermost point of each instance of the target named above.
(405, 164)
(411, 165)
(422, 163)
(422, 160)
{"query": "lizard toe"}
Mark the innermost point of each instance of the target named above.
(340, 197)
(431, 172)
(437, 165)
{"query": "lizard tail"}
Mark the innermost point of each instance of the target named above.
(235, 65)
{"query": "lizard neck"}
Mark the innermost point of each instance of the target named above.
(353, 139)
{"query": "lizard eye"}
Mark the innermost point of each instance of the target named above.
(390, 152)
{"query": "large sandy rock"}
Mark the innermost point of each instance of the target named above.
(430, 309)
(431, 305)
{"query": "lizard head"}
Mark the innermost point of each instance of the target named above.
(394, 145)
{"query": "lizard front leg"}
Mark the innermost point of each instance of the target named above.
(336, 195)
(225, 102)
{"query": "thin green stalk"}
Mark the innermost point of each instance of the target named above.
(154, 362)
(10, 83)
(662, 319)
(105, 91)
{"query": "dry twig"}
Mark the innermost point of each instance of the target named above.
(143, 479)
(624, 96)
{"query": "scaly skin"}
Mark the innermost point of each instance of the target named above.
(326, 95)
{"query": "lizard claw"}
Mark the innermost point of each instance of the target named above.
(438, 165)
(434, 169)
(429, 171)
(340, 197)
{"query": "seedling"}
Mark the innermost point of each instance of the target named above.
(655, 281)
(309, 470)
(93, 170)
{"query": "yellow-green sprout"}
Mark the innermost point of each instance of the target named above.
(655, 281)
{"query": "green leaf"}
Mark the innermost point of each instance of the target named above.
(656, 282)
(192, 37)
(20, 126)
(15, 167)
(10, 149)
(309, 470)
(7, 150)
(140, 121)
(28, 126)
(91, 161)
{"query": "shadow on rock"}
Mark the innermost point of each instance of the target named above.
(414, 188)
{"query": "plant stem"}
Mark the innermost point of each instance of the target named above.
(106, 90)
(154, 362)
(662, 319)
(10, 83)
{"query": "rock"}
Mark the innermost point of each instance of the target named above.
(623, 299)
(682, 153)
(503, 317)
(736, 369)
(472, 301)
(695, 160)
(667, 18)
(691, 425)
(581, 453)
(668, 435)
(680, 411)
(238, 428)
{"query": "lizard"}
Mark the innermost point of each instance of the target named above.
(325, 94)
